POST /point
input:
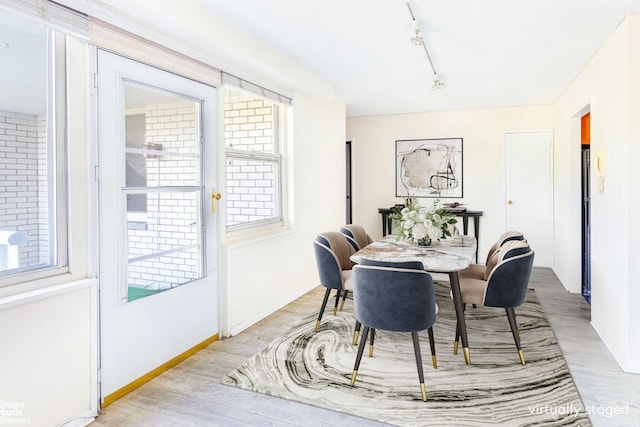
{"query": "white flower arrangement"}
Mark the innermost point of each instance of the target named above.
(422, 225)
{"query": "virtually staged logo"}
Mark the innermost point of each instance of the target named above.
(571, 410)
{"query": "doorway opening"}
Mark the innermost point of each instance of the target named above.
(348, 180)
(585, 137)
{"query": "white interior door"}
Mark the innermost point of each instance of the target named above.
(529, 190)
(158, 257)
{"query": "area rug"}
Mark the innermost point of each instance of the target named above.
(315, 368)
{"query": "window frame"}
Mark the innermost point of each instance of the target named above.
(281, 135)
(57, 167)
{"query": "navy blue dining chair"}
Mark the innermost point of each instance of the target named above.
(394, 297)
(505, 287)
(479, 271)
(333, 251)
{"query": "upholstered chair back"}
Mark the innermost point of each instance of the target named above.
(504, 237)
(340, 246)
(332, 253)
(358, 235)
(508, 281)
(394, 299)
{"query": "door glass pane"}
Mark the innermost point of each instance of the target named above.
(165, 252)
(163, 190)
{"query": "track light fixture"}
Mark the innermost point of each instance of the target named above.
(418, 40)
(436, 83)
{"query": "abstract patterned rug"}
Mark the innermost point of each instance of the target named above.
(315, 368)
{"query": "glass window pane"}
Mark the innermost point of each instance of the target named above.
(165, 251)
(249, 123)
(27, 147)
(253, 141)
(251, 190)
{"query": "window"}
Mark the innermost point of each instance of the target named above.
(254, 134)
(33, 237)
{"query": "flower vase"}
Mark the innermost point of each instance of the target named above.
(424, 242)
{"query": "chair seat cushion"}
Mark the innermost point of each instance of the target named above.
(347, 276)
(473, 290)
(474, 271)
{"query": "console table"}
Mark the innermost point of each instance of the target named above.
(465, 214)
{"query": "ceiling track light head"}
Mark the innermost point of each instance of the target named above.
(417, 39)
(437, 83)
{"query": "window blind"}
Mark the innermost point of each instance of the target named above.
(125, 43)
(231, 80)
(60, 18)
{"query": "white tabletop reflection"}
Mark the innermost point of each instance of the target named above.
(446, 256)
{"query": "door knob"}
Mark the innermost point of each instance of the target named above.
(214, 197)
(510, 202)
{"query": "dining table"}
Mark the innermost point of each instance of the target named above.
(448, 256)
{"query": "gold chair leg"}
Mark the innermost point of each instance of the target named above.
(467, 356)
(434, 361)
(355, 338)
(344, 298)
(371, 351)
(455, 347)
(353, 378)
(317, 325)
(423, 390)
(335, 310)
(521, 357)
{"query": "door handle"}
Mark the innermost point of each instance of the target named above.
(510, 202)
(215, 196)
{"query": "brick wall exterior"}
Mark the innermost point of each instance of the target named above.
(249, 124)
(24, 192)
(171, 216)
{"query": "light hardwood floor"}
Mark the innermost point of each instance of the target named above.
(190, 393)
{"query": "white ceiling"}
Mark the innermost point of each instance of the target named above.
(489, 53)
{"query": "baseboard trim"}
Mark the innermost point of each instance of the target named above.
(109, 399)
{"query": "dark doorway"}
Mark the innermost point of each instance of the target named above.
(586, 208)
(349, 185)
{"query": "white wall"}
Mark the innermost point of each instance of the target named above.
(609, 88)
(373, 145)
(47, 362)
(265, 273)
(632, 363)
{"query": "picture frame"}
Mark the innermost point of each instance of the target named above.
(429, 168)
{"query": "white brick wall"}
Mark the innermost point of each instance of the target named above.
(249, 124)
(24, 183)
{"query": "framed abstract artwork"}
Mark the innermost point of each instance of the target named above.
(429, 168)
